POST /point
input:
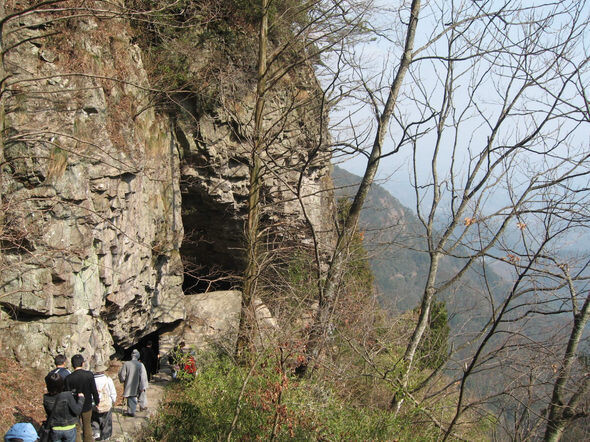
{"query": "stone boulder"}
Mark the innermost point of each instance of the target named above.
(212, 322)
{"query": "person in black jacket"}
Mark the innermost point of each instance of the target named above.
(62, 409)
(60, 367)
(82, 381)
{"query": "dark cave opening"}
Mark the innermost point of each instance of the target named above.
(207, 282)
(154, 338)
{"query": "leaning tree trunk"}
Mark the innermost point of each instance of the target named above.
(561, 411)
(327, 291)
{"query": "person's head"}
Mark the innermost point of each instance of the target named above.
(135, 354)
(59, 360)
(148, 344)
(21, 432)
(54, 383)
(77, 361)
(100, 365)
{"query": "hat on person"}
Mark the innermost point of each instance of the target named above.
(99, 367)
(24, 431)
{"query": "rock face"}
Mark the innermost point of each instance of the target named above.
(98, 191)
(215, 153)
(212, 321)
(91, 221)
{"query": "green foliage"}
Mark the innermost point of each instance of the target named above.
(192, 50)
(203, 408)
(196, 407)
(433, 350)
(197, 50)
(358, 269)
(299, 271)
(282, 14)
(251, 9)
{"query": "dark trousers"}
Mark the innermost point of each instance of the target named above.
(102, 423)
(84, 427)
(63, 435)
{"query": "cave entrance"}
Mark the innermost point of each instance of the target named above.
(208, 265)
(154, 337)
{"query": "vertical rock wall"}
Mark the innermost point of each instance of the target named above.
(91, 222)
(215, 153)
(92, 181)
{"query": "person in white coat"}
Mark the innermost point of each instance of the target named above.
(102, 415)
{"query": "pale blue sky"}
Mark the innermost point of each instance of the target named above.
(375, 56)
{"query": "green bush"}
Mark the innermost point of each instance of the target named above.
(202, 409)
(434, 348)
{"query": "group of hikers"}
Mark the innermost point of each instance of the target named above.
(79, 404)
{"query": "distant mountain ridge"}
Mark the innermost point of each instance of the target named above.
(397, 249)
(386, 223)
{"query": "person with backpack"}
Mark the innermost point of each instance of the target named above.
(102, 414)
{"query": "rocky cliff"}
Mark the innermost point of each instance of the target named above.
(96, 186)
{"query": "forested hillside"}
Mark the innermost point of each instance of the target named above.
(398, 255)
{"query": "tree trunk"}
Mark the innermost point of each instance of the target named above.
(327, 293)
(244, 341)
(560, 412)
(408, 359)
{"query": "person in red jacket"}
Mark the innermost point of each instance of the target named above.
(190, 366)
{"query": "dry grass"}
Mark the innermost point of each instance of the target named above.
(22, 390)
(21, 394)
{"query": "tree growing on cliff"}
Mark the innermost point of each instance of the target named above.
(322, 25)
(251, 271)
(383, 113)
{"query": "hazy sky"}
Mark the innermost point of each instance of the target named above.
(423, 93)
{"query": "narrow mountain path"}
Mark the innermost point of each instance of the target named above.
(125, 428)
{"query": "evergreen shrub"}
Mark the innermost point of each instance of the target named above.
(272, 402)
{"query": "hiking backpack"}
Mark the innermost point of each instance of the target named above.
(105, 403)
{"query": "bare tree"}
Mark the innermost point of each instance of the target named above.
(324, 24)
(564, 410)
(328, 280)
(251, 271)
(495, 101)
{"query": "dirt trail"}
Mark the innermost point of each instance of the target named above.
(125, 428)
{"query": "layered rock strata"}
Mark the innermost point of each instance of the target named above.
(212, 322)
(98, 191)
(91, 221)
